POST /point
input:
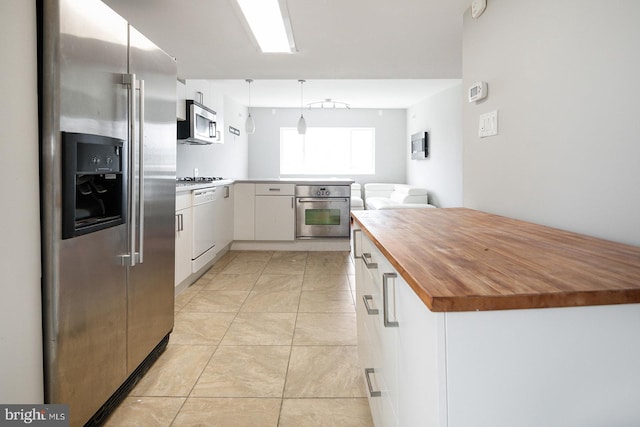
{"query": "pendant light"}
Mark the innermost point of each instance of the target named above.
(249, 125)
(302, 124)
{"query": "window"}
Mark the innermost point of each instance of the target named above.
(324, 150)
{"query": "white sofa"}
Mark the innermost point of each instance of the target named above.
(357, 204)
(395, 196)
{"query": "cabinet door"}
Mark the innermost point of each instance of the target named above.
(227, 214)
(244, 211)
(181, 97)
(421, 365)
(224, 216)
(184, 237)
(275, 218)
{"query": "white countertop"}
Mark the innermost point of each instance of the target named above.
(190, 186)
(306, 181)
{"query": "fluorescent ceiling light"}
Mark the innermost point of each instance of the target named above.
(266, 20)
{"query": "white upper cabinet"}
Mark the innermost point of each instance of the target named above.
(181, 97)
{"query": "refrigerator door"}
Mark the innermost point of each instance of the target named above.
(84, 283)
(150, 286)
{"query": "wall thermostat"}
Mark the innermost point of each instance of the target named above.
(478, 91)
(477, 7)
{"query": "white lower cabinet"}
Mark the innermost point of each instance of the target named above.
(379, 357)
(559, 367)
(184, 236)
(275, 216)
(244, 202)
(224, 224)
(421, 364)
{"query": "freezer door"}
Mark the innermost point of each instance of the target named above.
(84, 283)
(93, 58)
(150, 286)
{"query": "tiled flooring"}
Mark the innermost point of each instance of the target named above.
(262, 339)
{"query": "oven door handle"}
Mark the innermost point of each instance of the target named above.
(325, 199)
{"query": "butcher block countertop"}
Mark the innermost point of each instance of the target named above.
(460, 259)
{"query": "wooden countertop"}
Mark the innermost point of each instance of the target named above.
(465, 260)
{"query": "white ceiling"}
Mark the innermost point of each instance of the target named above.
(369, 53)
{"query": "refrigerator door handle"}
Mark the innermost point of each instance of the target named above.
(129, 259)
(141, 173)
(136, 193)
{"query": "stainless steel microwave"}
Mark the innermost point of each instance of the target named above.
(200, 126)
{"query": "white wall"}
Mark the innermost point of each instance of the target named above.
(21, 377)
(563, 77)
(390, 128)
(228, 160)
(441, 172)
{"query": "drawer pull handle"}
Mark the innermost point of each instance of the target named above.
(385, 300)
(366, 299)
(370, 265)
(372, 392)
(274, 189)
(355, 245)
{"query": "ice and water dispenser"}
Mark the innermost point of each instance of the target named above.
(94, 183)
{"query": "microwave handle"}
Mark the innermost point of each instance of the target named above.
(212, 130)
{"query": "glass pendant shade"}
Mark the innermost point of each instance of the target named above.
(302, 125)
(250, 125)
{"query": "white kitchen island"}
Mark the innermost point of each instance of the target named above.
(495, 322)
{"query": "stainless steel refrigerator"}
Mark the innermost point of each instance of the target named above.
(108, 154)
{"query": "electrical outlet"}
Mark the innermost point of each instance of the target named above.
(195, 172)
(488, 124)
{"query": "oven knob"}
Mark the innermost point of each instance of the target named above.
(326, 193)
(318, 193)
(95, 160)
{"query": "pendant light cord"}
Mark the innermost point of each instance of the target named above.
(249, 81)
(301, 95)
(249, 124)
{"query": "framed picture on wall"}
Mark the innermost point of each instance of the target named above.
(420, 145)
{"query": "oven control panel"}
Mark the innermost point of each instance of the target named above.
(323, 191)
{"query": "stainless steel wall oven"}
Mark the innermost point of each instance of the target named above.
(322, 211)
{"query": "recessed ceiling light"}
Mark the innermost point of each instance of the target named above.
(269, 23)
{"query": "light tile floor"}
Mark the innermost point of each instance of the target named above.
(262, 339)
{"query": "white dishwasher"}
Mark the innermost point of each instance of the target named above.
(203, 229)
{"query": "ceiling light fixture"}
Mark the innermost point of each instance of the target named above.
(269, 23)
(249, 125)
(328, 103)
(302, 123)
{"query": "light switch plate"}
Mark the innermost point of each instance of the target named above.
(488, 124)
